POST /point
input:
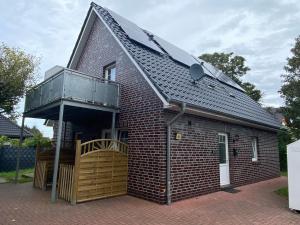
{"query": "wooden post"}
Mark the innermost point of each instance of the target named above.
(35, 163)
(76, 172)
(19, 150)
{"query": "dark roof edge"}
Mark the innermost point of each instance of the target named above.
(192, 109)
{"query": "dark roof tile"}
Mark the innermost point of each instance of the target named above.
(10, 129)
(174, 82)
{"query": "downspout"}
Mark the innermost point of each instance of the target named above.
(169, 124)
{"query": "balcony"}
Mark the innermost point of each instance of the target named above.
(76, 90)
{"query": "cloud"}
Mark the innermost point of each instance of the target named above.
(261, 31)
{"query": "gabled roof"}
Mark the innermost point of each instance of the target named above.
(173, 81)
(10, 129)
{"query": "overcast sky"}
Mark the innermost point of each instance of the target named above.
(261, 31)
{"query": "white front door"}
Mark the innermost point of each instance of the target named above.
(224, 159)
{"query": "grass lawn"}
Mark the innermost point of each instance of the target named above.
(10, 176)
(283, 192)
(283, 173)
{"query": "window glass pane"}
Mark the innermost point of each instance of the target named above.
(113, 74)
(254, 148)
(252, 142)
(222, 152)
(110, 72)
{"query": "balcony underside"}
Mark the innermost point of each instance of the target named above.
(73, 111)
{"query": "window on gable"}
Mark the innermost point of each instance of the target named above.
(254, 149)
(109, 72)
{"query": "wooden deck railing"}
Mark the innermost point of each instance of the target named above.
(65, 182)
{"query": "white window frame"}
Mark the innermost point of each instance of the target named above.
(226, 147)
(106, 70)
(254, 147)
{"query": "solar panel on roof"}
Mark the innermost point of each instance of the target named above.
(214, 72)
(137, 34)
(134, 32)
(209, 69)
(222, 77)
(175, 52)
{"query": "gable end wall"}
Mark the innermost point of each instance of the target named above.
(141, 113)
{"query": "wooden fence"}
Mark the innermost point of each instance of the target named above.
(101, 170)
(46, 157)
(65, 182)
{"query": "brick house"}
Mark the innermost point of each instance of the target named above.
(185, 137)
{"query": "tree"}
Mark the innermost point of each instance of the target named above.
(284, 138)
(290, 90)
(37, 140)
(234, 67)
(34, 130)
(17, 70)
(251, 90)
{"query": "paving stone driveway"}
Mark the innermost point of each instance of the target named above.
(255, 204)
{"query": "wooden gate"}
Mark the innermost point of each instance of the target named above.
(65, 182)
(40, 175)
(101, 170)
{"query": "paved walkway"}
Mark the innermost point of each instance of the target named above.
(255, 204)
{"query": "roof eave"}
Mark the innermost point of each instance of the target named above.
(195, 110)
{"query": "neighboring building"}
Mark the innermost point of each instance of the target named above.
(10, 129)
(278, 114)
(221, 136)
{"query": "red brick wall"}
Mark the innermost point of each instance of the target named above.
(195, 159)
(141, 113)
